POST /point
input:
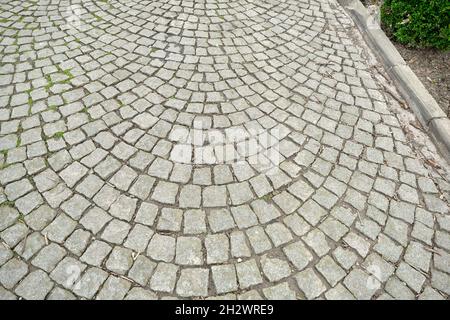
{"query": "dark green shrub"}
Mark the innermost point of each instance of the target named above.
(418, 23)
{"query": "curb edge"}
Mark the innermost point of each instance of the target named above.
(412, 89)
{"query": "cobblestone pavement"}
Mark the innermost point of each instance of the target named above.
(209, 148)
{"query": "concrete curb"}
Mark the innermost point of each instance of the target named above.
(422, 103)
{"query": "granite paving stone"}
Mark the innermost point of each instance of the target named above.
(211, 149)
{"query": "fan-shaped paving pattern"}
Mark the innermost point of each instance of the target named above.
(238, 149)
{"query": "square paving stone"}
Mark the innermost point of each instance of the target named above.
(317, 241)
(378, 267)
(120, 260)
(116, 231)
(95, 219)
(164, 277)
(75, 206)
(248, 274)
(90, 186)
(5, 254)
(417, 256)
(217, 248)
(358, 243)
(115, 288)
(310, 283)
(298, 254)
(96, 253)
(193, 283)
(312, 212)
(240, 193)
(398, 289)
(123, 208)
(440, 281)
(146, 214)
(88, 285)
(259, 241)
(137, 293)
(78, 241)
(214, 196)
(194, 221)
(278, 233)
(60, 228)
(297, 224)
(67, 272)
(48, 257)
(189, 251)
(361, 285)
(6, 295)
(339, 292)
(220, 220)
(12, 272)
(14, 234)
(142, 187)
(138, 238)
(73, 173)
(165, 192)
(275, 269)
(8, 216)
(238, 243)
(265, 211)
(142, 270)
(161, 248)
(224, 277)
(390, 250)
(332, 272)
(170, 219)
(244, 216)
(35, 286)
(30, 245)
(280, 291)
(413, 278)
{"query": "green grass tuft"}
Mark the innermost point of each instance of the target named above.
(7, 203)
(58, 135)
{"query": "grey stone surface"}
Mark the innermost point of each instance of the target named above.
(361, 285)
(120, 260)
(189, 251)
(224, 277)
(310, 284)
(96, 253)
(48, 257)
(275, 269)
(245, 149)
(137, 293)
(12, 272)
(60, 228)
(193, 282)
(142, 270)
(280, 291)
(248, 274)
(116, 231)
(90, 282)
(35, 286)
(114, 288)
(68, 272)
(164, 277)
